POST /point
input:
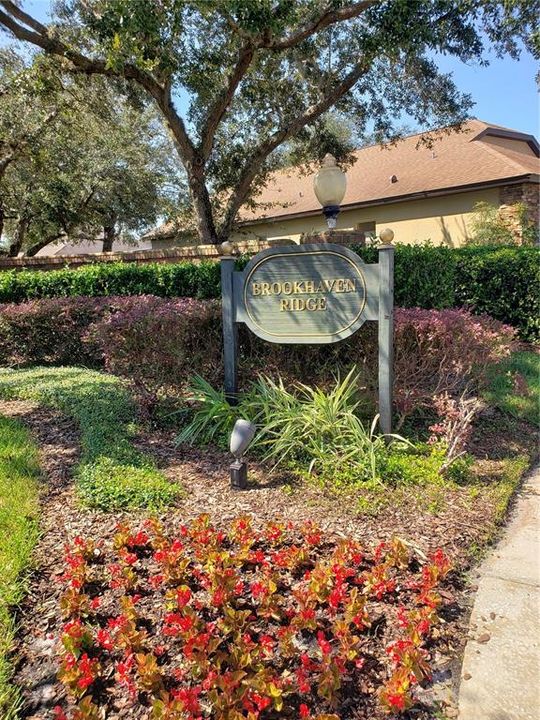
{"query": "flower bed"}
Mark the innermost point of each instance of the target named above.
(279, 622)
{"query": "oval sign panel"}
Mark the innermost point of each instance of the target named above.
(304, 294)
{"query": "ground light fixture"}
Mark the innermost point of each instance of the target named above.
(242, 434)
(330, 184)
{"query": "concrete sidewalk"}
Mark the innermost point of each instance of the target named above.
(500, 678)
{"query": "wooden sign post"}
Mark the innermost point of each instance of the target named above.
(310, 294)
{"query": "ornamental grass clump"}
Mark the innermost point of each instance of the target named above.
(196, 622)
(310, 429)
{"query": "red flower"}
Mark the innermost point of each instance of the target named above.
(261, 701)
(183, 596)
(104, 639)
(175, 623)
(267, 642)
(397, 701)
(304, 711)
(257, 589)
(218, 598)
(325, 646)
(140, 538)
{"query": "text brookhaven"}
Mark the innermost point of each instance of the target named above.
(303, 287)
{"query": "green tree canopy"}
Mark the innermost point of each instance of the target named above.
(85, 161)
(257, 74)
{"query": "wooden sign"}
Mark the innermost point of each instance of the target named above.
(319, 293)
(304, 294)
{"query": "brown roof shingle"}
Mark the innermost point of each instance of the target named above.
(455, 160)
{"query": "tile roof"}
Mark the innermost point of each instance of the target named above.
(455, 160)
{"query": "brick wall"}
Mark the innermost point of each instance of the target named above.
(171, 255)
(338, 237)
(194, 253)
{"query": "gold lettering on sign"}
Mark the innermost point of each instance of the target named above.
(312, 304)
(304, 287)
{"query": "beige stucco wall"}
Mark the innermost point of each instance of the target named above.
(443, 219)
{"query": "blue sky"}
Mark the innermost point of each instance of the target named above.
(505, 92)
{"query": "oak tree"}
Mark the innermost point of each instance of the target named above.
(253, 75)
(85, 161)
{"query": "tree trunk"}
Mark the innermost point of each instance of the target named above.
(202, 206)
(19, 236)
(109, 236)
(34, 249)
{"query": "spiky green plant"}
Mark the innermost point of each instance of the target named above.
(312, 429)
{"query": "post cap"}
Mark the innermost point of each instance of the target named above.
(226, 248)
(386, 236)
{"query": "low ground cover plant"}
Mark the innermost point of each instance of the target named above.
(514, 386)
(503, 282)
(19, 478)
(112, 473)
(195, 622)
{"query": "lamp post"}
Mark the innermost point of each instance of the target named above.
(330, 184)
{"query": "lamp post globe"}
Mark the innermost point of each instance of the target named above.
(330, 184)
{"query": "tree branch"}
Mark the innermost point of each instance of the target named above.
(329, 17)
(224, 98)
(255, 162)
(24, 17)
(91, 66)
(245, 57)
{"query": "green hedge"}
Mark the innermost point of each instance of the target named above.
(501, 281)
(185, 279)
(504, 283)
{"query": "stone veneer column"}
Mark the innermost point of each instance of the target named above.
(527, 194)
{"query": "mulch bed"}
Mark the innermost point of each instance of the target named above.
(457, 524)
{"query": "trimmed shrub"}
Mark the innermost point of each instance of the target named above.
(49, 332)
(424, 275)
(185, 279)
(438, 352)
(500, 281)
(157, 342)
(504, 283)
(53, 331)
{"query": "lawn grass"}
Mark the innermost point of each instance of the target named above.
(514, 386)
(112, 474)
(19, 480)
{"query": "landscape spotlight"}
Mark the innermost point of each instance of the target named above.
(241, 437)
(330, 184)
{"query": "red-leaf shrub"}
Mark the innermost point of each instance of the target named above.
(282, 622)
(158, 342)
(442, 351)
(54, 331)
(49, 332)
